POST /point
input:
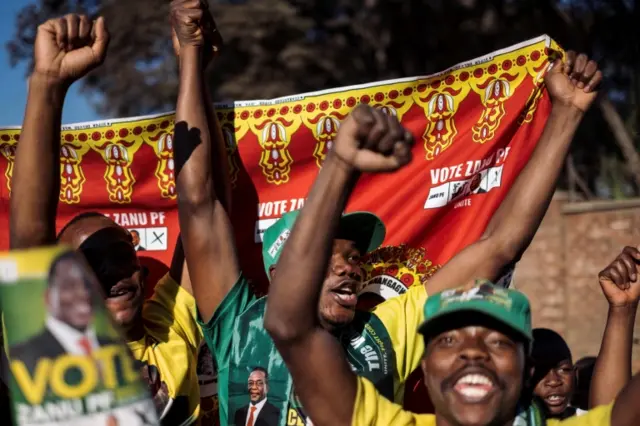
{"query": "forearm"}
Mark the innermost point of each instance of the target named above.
(612, 371)
(206, 232)
(515, 222)
(219, 161)
(294, 292)
(36, 177)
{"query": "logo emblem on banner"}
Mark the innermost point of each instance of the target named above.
(71, 175)
(325, 128)
(118, 174)
(274, 137)
(162, 145)
(440, 107)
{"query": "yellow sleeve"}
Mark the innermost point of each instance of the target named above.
(401, 316)
(172, 307)
(372, 409)
(599, 416)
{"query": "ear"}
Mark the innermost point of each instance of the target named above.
(529, 372)
(272, 272)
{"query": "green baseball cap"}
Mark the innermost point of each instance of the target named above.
(365, 229)
(509, 307)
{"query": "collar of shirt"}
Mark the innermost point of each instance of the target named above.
(68, 336)
(258, 406)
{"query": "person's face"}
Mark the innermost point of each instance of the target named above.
(474, 375)
(257, 386)
(135, 238)
(556, 387)
(68, 298)
(343, 281)
(110, 253)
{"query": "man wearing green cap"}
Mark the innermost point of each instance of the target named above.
(476, 366)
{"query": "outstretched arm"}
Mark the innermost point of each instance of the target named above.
(65, 50)
(612, 372)
(311, 353)
(572, 86)
(207, 236)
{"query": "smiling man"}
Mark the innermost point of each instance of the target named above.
(555, 375)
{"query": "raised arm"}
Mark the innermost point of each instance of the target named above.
(612, 372)
(207, 235)
(572, 87)
(65, 50)
(311, 353)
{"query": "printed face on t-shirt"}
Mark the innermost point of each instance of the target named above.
(257, 386)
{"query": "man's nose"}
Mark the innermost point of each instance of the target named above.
(475, 351)
(343, 268)
(552, 379)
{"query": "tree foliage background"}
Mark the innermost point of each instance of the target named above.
(280, 47)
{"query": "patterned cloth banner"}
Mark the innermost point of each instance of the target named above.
(475, 124)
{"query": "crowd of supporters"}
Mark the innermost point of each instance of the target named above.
(304, 355)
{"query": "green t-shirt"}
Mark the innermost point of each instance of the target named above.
(382, 346)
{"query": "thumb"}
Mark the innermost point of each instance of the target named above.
(100, 38)
(555, 67)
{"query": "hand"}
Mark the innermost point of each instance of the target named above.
(193, 25)
(619, 279)
(371, 141)
(67, 48)
(574, 82)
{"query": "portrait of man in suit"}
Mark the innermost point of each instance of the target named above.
(135, 237)
(259, 412)
(70, 308)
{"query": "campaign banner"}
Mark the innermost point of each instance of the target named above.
(69, 364)
(475, 126)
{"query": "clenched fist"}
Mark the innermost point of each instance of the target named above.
(372, 141)
(574, 82)
(67, 48)
(193, 25)
(619, 280)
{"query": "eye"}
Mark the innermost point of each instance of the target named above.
(565, 370)
(499, 342)
(447, 340)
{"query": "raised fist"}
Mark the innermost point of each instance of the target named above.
(372, 141)
(67, 48)
(193, 25)
(619, 280)
(574, 82)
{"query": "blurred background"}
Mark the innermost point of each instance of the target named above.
(281, 47)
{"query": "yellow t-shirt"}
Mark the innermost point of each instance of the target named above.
(372, 409)
(170, 350)
(401, 316)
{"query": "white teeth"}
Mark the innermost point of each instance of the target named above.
(475, 393)
(554, 398)
(475, 379)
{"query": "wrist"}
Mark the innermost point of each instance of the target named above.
(47, 85)
(567, 111)
(339, 167)
(625, 309)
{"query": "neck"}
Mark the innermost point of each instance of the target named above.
(441, 420)
(134, 332)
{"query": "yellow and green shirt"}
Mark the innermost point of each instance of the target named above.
(170, 347)
(373, 409)
(382, 346)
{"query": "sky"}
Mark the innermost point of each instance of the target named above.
(13, 83)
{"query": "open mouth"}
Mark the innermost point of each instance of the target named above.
(474, 387)
(122, 292)
(346, 293)
(555, 400)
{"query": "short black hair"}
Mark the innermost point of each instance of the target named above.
(133, 231)
(264, 370)
(67, 255)
(77, 218)
(549, 347)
